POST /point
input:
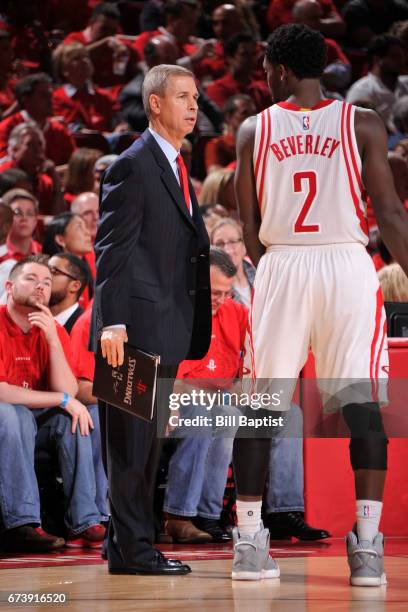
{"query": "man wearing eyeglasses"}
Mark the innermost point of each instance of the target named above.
(86, 205)
(70, 276)
(20, 241)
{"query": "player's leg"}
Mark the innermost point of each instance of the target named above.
(349, 342)
(280, 324)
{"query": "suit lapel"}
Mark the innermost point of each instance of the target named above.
(169, 180)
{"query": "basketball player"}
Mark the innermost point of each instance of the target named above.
(303, 165)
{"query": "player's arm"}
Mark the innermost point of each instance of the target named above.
(245, 190)
(389, 211)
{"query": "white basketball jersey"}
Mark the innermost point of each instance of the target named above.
(308, 175)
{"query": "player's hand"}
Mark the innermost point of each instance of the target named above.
(80, 416)
(43, 319)
(112, 341)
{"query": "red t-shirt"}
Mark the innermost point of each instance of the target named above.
(59, 143)
(229, 325)
(84, 360)
(220, 151)
(12, 253)
(222, 89)
(7, 96)
(24, 358)
(93, 110)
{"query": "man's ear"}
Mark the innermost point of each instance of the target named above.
(8, 285)
(74, 286)
(59, 239)
(154, 102)
(283, 72)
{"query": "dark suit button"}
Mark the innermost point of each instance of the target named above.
(191, 292)
(193, 259)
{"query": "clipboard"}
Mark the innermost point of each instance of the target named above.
(131, 386)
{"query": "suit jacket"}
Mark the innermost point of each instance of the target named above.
(152, 258)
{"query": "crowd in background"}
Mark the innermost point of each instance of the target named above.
(71, 75)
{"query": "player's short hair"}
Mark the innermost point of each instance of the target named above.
(380, 45)
(40, 259)
(79, 268)
(299, 48)
(221, 260)
(232, 44)
(28, 85)
(156, 81)
(107, 9)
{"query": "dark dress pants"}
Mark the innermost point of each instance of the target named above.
(133, 453)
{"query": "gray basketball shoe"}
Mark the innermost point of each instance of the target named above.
(251, 556)
(366, 560)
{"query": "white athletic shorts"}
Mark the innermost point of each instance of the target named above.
(326, 298)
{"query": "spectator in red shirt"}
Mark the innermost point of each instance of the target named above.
(227, 21)
(181, 18)
(68, 233)
(331, 24)
(7, 97)
(240, 54)
(34, 95)
(20, 242)
(81, 104)
(337, 74)
(198, 469)
(220, 151)
(38, 411)
(86, 205)
(26, 151)
(113, 57)
(30, 42)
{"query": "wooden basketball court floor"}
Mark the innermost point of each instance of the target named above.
(314, 576)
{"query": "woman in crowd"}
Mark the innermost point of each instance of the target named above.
(68, 233)
(80, 173)
(218, 188)
(227, 235)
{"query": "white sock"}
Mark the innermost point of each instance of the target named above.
(249, 516)
(368, 518)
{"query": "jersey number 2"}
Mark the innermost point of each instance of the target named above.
(300, 226)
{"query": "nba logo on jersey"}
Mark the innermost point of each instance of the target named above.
(306, 122)
(366, 511)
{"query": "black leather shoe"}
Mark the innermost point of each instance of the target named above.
(158, 566)
(213, 527)
(284, 525)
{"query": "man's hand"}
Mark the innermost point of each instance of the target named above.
(112, 341)
(80, 415)
(43, 319)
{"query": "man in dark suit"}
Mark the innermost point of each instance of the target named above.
(153, 291)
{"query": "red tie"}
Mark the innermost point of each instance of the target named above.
(182, 170)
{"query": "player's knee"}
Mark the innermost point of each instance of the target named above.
(368, 453)
(364, 420)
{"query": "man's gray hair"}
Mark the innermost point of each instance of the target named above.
(156, 81)
(19, 131)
